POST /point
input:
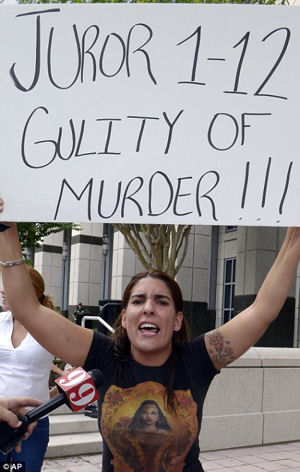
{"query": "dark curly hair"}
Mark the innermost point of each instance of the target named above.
(179, 340)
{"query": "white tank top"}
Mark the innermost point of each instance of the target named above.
(24, 370)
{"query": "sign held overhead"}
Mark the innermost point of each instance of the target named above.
(161, 113)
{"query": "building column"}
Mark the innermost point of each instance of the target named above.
(256, 251)
(85, 267)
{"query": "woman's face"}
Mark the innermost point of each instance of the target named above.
(150, 320)
(149, 415)
(5, 305)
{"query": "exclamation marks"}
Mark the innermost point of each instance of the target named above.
(245, 185)
(265, 187)
(287, 181)
(263, 200)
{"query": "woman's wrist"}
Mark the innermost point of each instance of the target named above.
(3, 227)
(10, 249)
(12, 262)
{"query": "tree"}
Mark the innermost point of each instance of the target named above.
(32, 234)
(161, 247)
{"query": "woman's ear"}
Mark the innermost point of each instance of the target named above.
(178, 321)
(123, 316)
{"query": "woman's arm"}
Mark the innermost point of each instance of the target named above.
(57, 370)
(231, 340)
(55, 333)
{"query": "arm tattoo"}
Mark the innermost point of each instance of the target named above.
(220, 351)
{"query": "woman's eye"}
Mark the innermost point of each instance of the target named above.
(163, 302)
(136, 301)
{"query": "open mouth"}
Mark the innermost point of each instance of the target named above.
(148, 328)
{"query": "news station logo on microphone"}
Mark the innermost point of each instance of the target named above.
(78, 387)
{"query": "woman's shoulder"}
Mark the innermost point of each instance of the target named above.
(100, 339)
(195, 355)
(5, 316)
(101, 352)
(196, 343)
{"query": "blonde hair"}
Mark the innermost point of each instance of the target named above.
(39, 288)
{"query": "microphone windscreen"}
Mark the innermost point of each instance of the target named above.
(97, 377)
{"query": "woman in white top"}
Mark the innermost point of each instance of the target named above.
(24, 371)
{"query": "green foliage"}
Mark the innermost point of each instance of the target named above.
(32, 234)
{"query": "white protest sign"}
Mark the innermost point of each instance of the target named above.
(153, 113)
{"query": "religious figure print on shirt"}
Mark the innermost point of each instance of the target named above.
(141, 434)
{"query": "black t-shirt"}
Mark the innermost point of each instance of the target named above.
(139, 433)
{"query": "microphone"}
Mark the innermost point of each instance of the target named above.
(78, 389)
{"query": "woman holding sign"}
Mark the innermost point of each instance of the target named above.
(149, 356)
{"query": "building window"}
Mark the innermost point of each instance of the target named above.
(229, 286)
(228, 229)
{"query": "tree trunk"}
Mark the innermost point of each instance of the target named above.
(161, 247)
